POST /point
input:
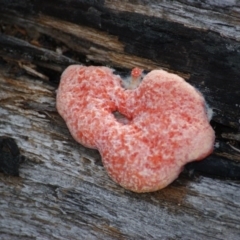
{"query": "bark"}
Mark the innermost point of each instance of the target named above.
(63, 191)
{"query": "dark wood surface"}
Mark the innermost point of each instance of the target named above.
(63, 191)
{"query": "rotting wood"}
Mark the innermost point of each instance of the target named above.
(63, 191)
(204, 50)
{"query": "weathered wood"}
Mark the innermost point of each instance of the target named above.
(63, 191)
(144, 38)
(30, 53)
(199, 41)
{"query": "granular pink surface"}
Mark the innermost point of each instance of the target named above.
(167, 125)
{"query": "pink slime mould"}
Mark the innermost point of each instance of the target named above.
(167, 125)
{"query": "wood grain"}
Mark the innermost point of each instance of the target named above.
(198, 41)
(63, 191)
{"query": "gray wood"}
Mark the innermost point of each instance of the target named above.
(197, 40)
(63, 191)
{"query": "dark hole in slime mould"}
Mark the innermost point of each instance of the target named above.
(121, 118)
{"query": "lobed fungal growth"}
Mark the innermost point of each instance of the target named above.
(165, 127)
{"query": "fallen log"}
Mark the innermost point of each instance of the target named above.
(63, 191)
